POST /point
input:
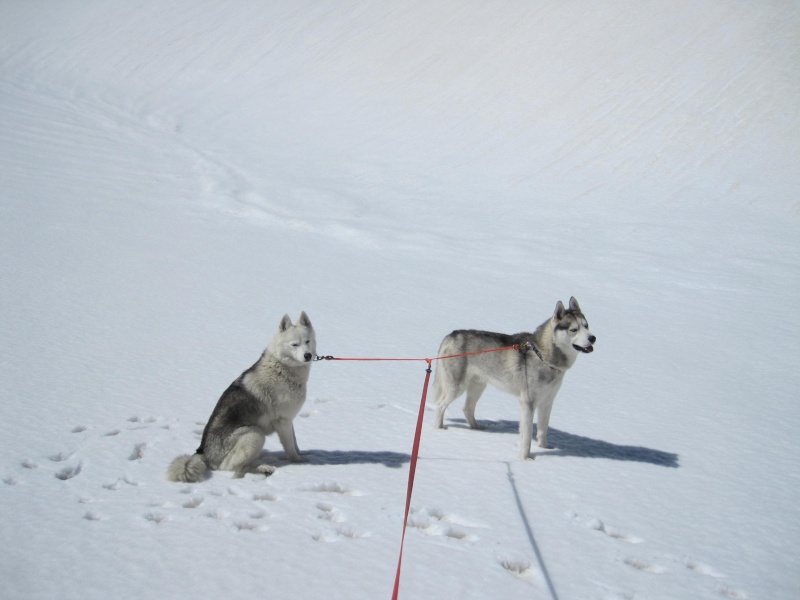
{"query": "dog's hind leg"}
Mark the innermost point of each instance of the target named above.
(249, 442)
(474, 390)
(445, 400)
(447, 386)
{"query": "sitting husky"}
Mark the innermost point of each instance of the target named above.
(264, 399)
(534, 373)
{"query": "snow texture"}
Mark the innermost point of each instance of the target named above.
(175, 176)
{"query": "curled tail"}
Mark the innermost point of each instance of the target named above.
(188, 468)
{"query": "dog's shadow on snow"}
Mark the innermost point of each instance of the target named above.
(570, 444)
(393, 460)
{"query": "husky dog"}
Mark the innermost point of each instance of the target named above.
(534, 373)
(264, 399)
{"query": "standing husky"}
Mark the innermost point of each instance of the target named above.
(534, 373)
(264, 399)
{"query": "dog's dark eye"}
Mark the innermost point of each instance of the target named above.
(295, 345)
(573, 331)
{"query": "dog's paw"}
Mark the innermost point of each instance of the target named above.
(266, 470)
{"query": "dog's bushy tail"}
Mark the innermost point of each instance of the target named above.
(188, 468)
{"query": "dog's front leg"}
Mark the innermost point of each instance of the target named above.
(285, 430)
(525, 425)
(543, 415)
(542, 423)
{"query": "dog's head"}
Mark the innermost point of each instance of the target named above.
(571, 328)
(295, 342)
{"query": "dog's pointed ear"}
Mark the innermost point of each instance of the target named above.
(559, 312)
(574, 306)
(304, 320)
(286, 322)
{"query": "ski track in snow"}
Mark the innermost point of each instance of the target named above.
(223, 186)
(231, 189)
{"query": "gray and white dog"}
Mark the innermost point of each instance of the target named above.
(533, 373)
(264, 399)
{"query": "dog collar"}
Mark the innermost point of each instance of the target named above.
(530, 346)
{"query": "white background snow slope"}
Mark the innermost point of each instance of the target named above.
(174, 177)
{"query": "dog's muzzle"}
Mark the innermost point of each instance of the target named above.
(587, 349)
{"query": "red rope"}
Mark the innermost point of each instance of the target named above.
(412, 467)
(428, 360)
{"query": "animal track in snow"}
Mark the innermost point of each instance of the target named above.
(650, 566)
(708, 571)
(29, 464)
(518, 567)
(138, 451)
(93, 516)
(428, 514)
(330, 516)
(644, 566)
(147, 420)
(328, 513)
(156, 517)
(144, 422)
(436, 522)
(248, 526)
(193, 502)
(114, 485)
(79, 429)
(324, 536)
(703, 569)
(331, 487)
(69, 472)
(111, 433)
(343, 532)
(235, 490)
(217, 514)
(60, 456)
(351, 533)
(265, 497)
(731, 593)
(598, 525)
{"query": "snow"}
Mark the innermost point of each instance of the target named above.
(177, 176)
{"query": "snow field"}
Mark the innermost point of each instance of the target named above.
(175, 178)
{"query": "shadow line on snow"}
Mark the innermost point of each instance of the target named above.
(393, 460)
(570, 444)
